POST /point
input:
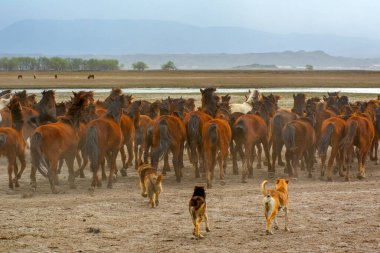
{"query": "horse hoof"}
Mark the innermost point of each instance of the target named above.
(360, 177)
(73, 186)
(346, 179)
(282, 164)
(82, 175)
(250, 176)
(322, 178)
(310, 176)
(178, 179)
(222, 182)
(123, 172)
(91, 190)
(244, 181)
(109, 186)
(329, 179)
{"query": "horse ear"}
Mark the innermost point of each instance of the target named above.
(201, 90)
(324, 98)
(246, 97)
(75, 94)
(294, 96)
(249, 91)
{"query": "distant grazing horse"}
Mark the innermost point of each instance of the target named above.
(299, 139)
(168, 135)
(55, 76)
(55, 141)
(359, 132)
(19, 77)
(12, 143)
(250, 130)
(91, 76)
(331, 134)
(34, 76)
(104, 139)
(216, 136)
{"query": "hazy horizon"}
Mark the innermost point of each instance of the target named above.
(344, 18)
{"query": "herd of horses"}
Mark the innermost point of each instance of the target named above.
(86, 131)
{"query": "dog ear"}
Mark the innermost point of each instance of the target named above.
(141, 162)
(159, 179)
(287, 181)
(277, 181)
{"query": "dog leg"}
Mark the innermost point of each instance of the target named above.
(143, 189)
(206, 221)
(268, 230)
(275, 223)
(286, 218)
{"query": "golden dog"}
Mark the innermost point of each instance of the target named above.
(198, 210)
(275, 200)
(150, 183)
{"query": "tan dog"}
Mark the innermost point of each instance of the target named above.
(150, 183)
(275, 200)
(198, 210)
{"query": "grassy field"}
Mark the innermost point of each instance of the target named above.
(238, 78)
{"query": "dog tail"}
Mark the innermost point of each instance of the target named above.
(263, 188)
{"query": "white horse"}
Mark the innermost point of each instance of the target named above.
(4, 100)
(246, 106)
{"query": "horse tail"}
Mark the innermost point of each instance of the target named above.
(213, 134)
(290, 137)
(325, 139)
(239, 130)
(377, 119)
(38, 159)
(193, 132)
(92, 147)
(277, 131)
(3, 139)
(164, 146)
(348, 139)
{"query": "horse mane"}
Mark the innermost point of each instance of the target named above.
(16, 111)
(115, 109)
(73, 114)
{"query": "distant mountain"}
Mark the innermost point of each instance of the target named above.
(120, 37)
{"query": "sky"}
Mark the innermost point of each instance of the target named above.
(356, 18)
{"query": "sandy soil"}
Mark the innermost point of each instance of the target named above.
(324, 217)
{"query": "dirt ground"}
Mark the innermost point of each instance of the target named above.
(324, 217)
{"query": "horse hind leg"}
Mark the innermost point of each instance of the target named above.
(11, 163)
(21, 158)
(259, 152)
(70, 165)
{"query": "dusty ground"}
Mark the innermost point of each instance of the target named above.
(324, 217)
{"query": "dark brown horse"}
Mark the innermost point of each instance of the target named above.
(299, 139)
(216, 138)
(55, 141)
(12, 143)
(91, 76)
(19, 77)
(209, 101)
(104, 139)
(248, 131)
(168, 135)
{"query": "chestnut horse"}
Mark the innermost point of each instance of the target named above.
(168, 135)
(216, 138)
(299, 139)
(12, 143)
(55, 141)
(250, 130)
(359, 132)
(104, 139)
(332, 132)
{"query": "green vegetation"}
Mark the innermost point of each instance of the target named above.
(168, 66)
(139, 66)
(57, 64)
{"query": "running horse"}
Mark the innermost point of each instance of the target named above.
(104, 139)
(12, 143)
(55, 141)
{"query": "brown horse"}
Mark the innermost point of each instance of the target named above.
(359, 132)
(209, 101)
(55, 141)
(332, 132)
(55, 76)
(104, 139)
(19, 77)
(299, 139)
(216, 138)
(168, 135)
(250, 130)
(129, 122)
(12, 143)
(91, 76)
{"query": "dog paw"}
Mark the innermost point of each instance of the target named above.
(200, 236)
(208, 230)
(276, 227)
(287, 229)
(269, 232)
